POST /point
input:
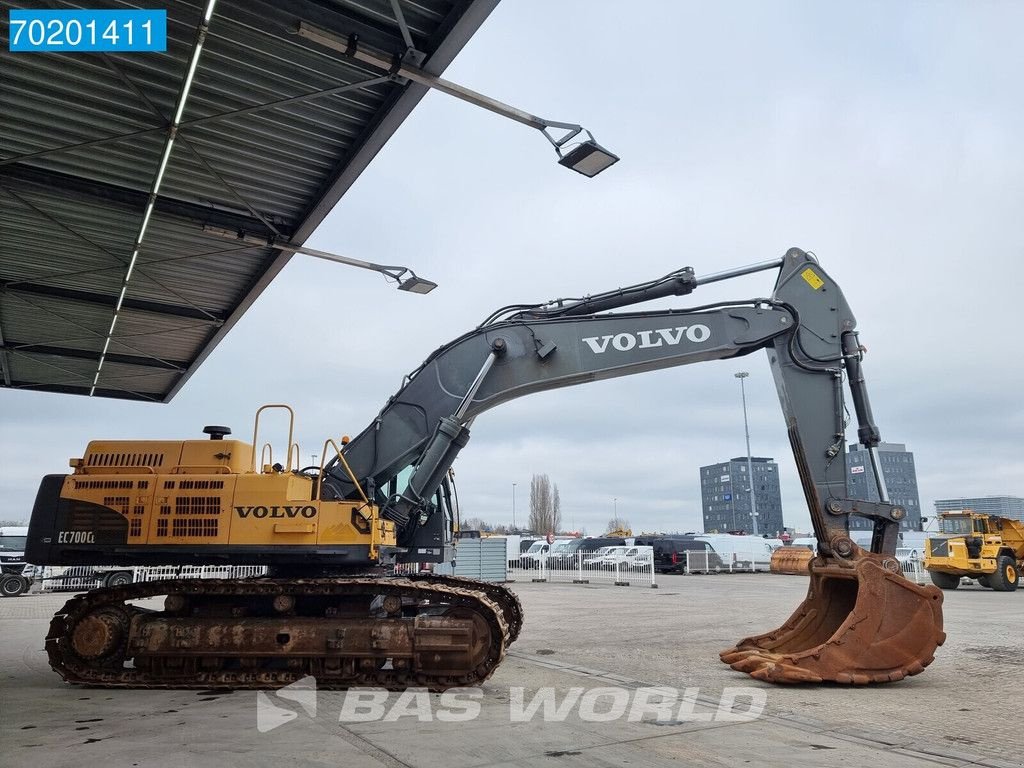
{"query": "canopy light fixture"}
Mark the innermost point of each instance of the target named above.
(589, 158)
(416, 284)
(407, 279)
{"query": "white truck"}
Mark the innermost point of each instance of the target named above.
(741, 553)
(15, 573)
(516, 545)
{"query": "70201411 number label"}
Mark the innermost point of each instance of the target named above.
(84, 31)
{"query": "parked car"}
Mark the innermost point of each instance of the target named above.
(632, 557)
(670, 554)
(609, 558)
(569, 555)
(595, 559)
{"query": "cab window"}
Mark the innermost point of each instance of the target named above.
(956, 525)
(13, 543)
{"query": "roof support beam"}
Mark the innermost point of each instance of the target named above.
(24, 348)
(185, 125)
(172, 131)
(72, 389)
(5, 363)
(396, 8)
(76, 186)
(109, 302)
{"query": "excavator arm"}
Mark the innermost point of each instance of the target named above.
(861, 622)
(806, 327)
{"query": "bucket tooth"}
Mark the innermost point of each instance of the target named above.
(860, 623)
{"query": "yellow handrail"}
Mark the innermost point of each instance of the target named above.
(341, 458)
(291, 430)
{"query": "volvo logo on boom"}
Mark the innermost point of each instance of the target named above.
(668, 337)
(276, 511)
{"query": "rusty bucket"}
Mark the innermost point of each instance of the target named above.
(861, 622)
(793, 561)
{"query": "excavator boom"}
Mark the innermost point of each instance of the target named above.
(861, 622)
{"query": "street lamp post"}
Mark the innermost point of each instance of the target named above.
(586, 157)
(750, 464)
(733, 505)
(513, 505)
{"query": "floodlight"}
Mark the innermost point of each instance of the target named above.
(588, 158)
(416, 284)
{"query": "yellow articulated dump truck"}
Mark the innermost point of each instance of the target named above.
(983, 547)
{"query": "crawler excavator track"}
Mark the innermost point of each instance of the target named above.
(393, 632)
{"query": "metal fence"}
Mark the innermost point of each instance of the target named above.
(74, 578)
(732, 562)
(83, 578)
(913, 569)
(635, 567)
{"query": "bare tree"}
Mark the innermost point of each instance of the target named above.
(618, 524)
(475, 524)
(541, 505)
(556, 509)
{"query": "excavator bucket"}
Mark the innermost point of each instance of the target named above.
(861, 622)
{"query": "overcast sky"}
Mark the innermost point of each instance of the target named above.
(885, 137)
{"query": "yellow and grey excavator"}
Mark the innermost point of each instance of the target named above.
(332, 605)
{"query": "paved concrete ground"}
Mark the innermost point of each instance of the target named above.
(964, 710)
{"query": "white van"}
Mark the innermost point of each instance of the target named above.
(540, 551)
(807, 542)
(743, 553)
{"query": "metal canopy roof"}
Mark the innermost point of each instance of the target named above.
(274, 131)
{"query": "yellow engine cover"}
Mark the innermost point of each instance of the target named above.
(206, 492)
